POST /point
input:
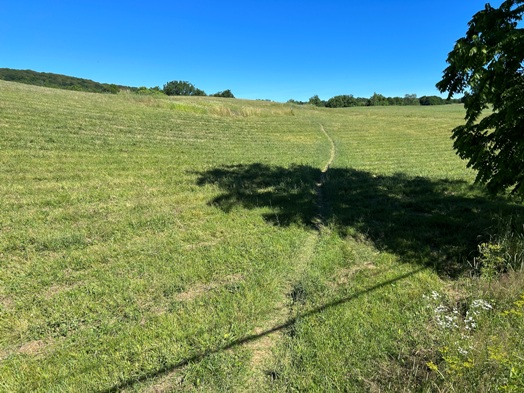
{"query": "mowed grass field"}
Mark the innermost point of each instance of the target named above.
(157, 244)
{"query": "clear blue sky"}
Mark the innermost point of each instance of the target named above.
(267, 49)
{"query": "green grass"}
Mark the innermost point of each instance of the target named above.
(163, 244)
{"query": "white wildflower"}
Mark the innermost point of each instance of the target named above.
(479, 303)
(469, 322)
(462, 351)
(447, 322)
(435, 295)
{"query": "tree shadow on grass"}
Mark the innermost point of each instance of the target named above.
(434, 223)
(289, 193)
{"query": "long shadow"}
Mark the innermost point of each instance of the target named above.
(435, 223)
(244, 340)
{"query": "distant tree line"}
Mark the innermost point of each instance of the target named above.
(45, 79)
(345, 101)
(58, 81)
(184, 88)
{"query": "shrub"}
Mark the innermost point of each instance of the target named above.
(431, 100)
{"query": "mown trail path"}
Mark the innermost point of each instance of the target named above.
(321, 201)
(266, 336)
(262, 347)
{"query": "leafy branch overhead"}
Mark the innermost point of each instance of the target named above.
(487, 65)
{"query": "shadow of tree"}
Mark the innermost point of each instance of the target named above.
(290, 193)
(434, 223)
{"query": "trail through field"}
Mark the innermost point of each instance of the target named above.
(262, 348)
(157, 244)
(321, 201)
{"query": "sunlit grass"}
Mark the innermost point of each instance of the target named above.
(152, 243)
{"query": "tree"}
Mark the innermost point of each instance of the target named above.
(224, 94)
(112, 88)
(315, 100)
(431, 100)
(342, 101)
(377, 100)
(487, 65)
(182, 88)
(411, 99)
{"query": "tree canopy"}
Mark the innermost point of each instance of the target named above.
(342, 101)
(487, 65)
(224, 94)
(182, 88)
(431, 100)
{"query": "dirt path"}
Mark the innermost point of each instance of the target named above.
(322, 205)
(332, 152)
(263, 348)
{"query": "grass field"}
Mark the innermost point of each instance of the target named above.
(157, 244)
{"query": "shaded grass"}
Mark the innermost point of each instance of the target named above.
(438, 223)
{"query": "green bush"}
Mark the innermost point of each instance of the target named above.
(431, 100)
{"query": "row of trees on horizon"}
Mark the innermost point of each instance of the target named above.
(184, 88)
(58, 81)
(346, 101)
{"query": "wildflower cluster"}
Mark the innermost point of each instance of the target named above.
(470, 355)
(458, 354)
(474, 311)
(449, 318)
(446, 318)
(518, 309)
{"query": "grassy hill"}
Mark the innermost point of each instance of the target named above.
(159, 244)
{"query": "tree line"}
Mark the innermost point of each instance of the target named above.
(46, 79)
(184, 88)
(346, 101)
(58, 81)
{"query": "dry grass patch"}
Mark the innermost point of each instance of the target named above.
(344, 275)
(168, 383)
(33, 348)
(201, 289)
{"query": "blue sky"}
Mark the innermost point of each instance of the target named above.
(270, 49)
